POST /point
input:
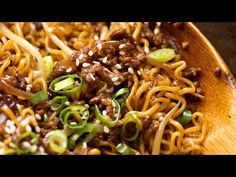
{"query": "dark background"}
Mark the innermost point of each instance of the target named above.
(223, 37)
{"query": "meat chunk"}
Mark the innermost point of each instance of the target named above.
(60, 68)
(42, 108)
(38, 25)
(50, 125)
(118, 34)
(95, 100)
(217, 72)
(97, 75)
(135, 60)
(192, 73)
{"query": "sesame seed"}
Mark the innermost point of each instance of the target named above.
(158, 23)
(7, 77)
(114, 79)
(37, 116)
(95, 37)
(104, 112)
(146, 50)
(28, 87)
(115, 114)
(73, 123)
(12, 145)
(84, 145)
(2, 118)
(69, 70)
(97, 121)
(24, 122)
(34, 148)
(118, 66)
(26, 144)
(117, 83)
(92, 77)
(12, 128)
(96, 62)
(110, 90)
(81, 56)
(48, 134)
(28, 128)
(77, 62)
(27, 79)
(185, 44)
(9, 123)
(130, 70)
(4, 107)
(121, 46)
(76, 83)
(37, 129)
(67, 103)
(7, 129)
(85, 65)
(86, 105)
(156, 31)
(90, 53)
(122, 53)
(104, 60)
(41, 149)
(106, 129)
(139, 73)
(18, 106)
(99, 46)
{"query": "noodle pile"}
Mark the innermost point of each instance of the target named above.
(157, 94)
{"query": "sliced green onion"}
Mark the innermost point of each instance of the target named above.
(29, 136)
(67, 85)
(58, 103)
(39, 97)
(161, 55)
(45, 118)
(8, 152)
(186, 118)
(123, 149)
(104, 120)
(121, 96)
(47, 62)
(74, 116)
(132, 118)
(89, 130)
(58, 141)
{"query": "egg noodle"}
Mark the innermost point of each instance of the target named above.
(154, 112)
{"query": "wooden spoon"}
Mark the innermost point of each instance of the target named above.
(219, 104)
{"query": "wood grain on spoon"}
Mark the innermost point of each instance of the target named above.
(218, 85)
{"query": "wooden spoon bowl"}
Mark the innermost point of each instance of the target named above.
(219, 104)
